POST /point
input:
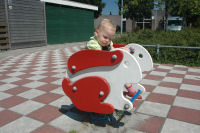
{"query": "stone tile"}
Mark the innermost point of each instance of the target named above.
(21, 125)
(40, 68)
(21, 82)
(181, 68)
(178, 72)
(164, 67)
(17, 90)
(193, 73)
(172, 79)
(34, 84)
(11, 79)
(47, 98)
(192, 77)
(145, 95)
(12, 101)
(160, 98)
(68, 122)
(4, 95)
(189, 94)
(165, 90)
(187, 103)
(48, 129)
(48, 79)
(196, 70)
(48, 87)
(58, 91)
(152, 108)
(59, 75)
(175, 75)
(37, 77)
(185, 114)
(154, 77)
(170, 85)
(7, 117)
(27, 107)
(49, 74)
(5, 87)
(39, 72)
(191, 82)
(161, 70)
(58, 82)
(61, 101)
(175, 126)
(149, 82)
(27, 75)
(149, 88)
(15, 74)
(1, 109)
(190, 87)
(151, 125)
(19, 69)
(158, 73)
(42, 115)
(32, 93)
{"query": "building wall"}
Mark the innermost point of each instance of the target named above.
(2, 11)
(68, 24)
(26, 20)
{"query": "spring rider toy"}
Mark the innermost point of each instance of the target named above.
(95, 79)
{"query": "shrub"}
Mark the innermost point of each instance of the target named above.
(186, 37)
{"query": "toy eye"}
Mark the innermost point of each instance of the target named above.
(140, 55)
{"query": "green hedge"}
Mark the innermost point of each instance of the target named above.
(187, 37)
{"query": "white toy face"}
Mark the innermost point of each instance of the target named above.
(142, 56)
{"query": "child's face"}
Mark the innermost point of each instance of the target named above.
(104, 35)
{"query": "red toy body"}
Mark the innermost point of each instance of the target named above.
(95, 79)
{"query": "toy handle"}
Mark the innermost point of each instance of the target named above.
(135, 96)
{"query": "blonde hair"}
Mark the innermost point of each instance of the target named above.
(106, 22)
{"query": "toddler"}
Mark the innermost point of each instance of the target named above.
(102, 40)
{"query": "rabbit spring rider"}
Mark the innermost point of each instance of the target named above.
(95, 79)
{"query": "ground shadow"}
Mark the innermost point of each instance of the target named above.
(78, 115)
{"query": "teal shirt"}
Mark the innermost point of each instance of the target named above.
(94, 44)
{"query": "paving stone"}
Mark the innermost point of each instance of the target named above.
(27, 107)
(34, 84)
(4, 95)
(149, 82)
(187, 103)
(178, 72)
(32, 93)
(165, 90)
(172, 79)
(5, 87)
(152, 108)
(175, 126)
(21, 125)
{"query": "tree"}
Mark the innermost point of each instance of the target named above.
(98, 3)
(136, 9)
(188, 9)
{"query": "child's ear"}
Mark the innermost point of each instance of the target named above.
(96, 32)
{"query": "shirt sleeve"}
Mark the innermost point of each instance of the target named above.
(92, 44)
